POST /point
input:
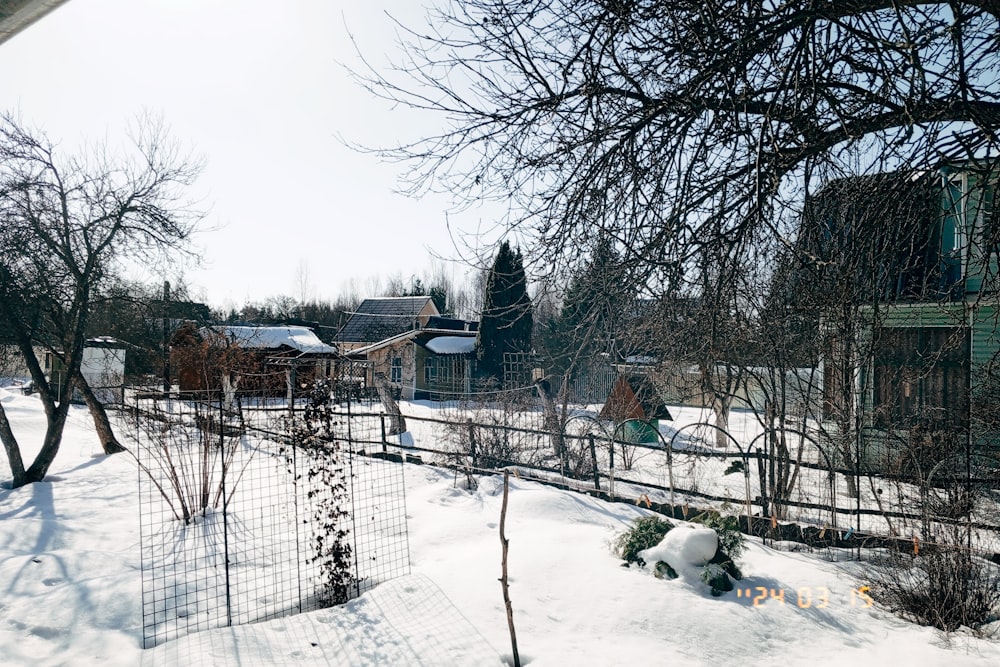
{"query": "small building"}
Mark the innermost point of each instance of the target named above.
(425, 364)
(920, 249)
(103, 367)
(635, 404)
(258, 359)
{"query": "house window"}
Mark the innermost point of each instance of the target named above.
(921, 377)
(396, 370)
(431, 372)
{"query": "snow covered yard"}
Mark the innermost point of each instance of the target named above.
(70, 587)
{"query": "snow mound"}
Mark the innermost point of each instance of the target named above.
(685, 548)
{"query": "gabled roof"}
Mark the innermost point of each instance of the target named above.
(449, 342)
(271, 338)
(385, 317)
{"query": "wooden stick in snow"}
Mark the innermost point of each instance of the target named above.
(504, 542)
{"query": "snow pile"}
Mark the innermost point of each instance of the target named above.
(686, 548)
(452, 344)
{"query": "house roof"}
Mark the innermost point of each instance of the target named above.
(381, 318)
(273, 338)
(450, 342)
(451, 323)
(362, 352)
(852, 226)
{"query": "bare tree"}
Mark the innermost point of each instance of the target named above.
(68, 224)
(679, 125)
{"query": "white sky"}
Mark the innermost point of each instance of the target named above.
(254, 87)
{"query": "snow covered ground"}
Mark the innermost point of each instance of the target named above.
(70, 587)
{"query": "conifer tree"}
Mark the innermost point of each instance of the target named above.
(506, 321)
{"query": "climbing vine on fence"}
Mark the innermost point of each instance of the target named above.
(312, 435)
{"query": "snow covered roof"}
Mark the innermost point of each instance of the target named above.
(269, 338)
(451, 344)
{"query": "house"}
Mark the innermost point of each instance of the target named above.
(259, 359)
(102, 366)
(382, 318)
(904, 269)
(422, 354)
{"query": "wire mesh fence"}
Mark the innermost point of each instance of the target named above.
(242, 522)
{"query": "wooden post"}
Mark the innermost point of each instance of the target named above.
(504, 544)
(472, 444)
(381, 419)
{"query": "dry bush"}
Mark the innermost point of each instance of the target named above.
(946, 587)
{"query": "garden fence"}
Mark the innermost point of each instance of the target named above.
(824, 506)
(232, 512)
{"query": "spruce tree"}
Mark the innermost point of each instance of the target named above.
(594, 305)
(506, 321)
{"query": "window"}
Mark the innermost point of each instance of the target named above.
(921, 376)
(396, 370)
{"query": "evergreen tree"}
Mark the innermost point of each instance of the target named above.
(506, 321)
(593, 306)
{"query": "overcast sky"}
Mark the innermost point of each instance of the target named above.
(254, 87)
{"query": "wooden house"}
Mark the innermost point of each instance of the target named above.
(265, 360)
(420, 353)
(917, 255)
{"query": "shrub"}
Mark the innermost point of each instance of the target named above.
(644, 533)
(311, 433)
(946, 588)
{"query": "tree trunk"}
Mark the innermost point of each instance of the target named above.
(552, 421)
(50, 445)
(397, 424)
(109, 443)
(721, 406)
(13, 451)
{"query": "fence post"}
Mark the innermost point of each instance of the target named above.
(381, 419)
(225, 549)
(611, 470)
(593, 458)
(472, 444)
(764, 510)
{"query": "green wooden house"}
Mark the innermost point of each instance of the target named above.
(915, 255)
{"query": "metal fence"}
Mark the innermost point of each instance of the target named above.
(232, 511)
(807, 496)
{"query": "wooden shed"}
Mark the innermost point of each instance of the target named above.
(635, 404)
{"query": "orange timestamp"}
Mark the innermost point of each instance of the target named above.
(806, 597)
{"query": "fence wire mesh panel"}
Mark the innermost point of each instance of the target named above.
(243, 521)
(379, 512)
